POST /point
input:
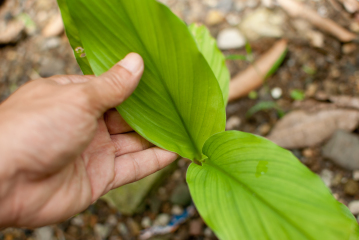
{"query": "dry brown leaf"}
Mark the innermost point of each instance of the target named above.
(253, 77)
(300, 129)
(297, 9)
(54, 28)
(11, 32)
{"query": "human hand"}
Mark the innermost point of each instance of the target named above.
(61, 149)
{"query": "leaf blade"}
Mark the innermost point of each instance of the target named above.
(215, 58)
(186, 104)
(261, 191)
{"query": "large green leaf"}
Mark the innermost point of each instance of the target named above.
(178, 104)
(74, 39)
(208, 46)
(249, 188)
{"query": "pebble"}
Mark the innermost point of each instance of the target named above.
(121, 227)
(162, 220)
(233, 122)
(177, 210)
(354, 207)
(102, 230)
(343, 149)
(230, 38)
(214, 17)
(262, 23)
(196, 227)
(351, 187)
(44, 233)
(356, 175)
(51, 43)
(208, 232)
(133, 226)
(112, 220)
(348, 48)
(55, 27)
(327, 177)
(264, 129)
(146, 222)
(78, 221)
(277, 93)
(181, 195)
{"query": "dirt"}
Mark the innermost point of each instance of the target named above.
(332, 69)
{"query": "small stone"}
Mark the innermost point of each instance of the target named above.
(354, 207)
(277, 93)
(337, 179)
(233, 122)
(196, 227)
(44, 233)
(311, 90)
(177, 210)
(146, 222)
(316, 38)
(78, 221)
(356, 175)
(354, 26)
(51, 43)
(230, 38)
(308, 153)
(102, 230)
(343, 149)
(348, 48)
(351, 187)
(262, 22)
(133, 226)
(214, 17)
(233, 19)
(181, 195)
(162, 220)
(208, 232)
(327, 177)
(121, 227)
(112, 220)
(54, 28)
(264, 129)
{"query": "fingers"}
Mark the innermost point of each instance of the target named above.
(135, 166)
(129, 143)
(116, 85)
(115, 123)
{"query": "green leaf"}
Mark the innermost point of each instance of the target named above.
(74, 39)
(208, 46)
(297, 94)
(277, 64)
(265, 105)
(236, 57)
(178, 104)
(249, 188)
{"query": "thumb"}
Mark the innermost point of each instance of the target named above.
(116, 85)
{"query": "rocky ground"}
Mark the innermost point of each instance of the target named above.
(310, 105)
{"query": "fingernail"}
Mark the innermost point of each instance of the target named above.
(132, 62)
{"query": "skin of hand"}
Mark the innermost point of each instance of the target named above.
(62, 145)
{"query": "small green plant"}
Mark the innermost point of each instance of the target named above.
(245, 187)
(297, 94)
